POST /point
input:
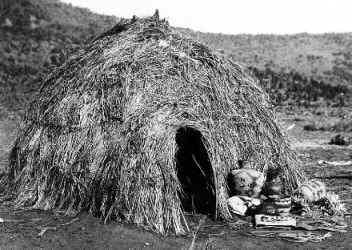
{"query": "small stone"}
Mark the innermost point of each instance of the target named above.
(340, 140)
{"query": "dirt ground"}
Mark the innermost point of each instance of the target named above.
(23, 229)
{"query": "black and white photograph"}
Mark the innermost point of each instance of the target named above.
(182, 124)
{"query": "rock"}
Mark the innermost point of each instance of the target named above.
(7, 23)
(310, 127)
(340, 140)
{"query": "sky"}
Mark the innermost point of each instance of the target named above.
(237, 16)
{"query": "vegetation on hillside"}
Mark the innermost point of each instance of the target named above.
(325, 57)
(292, 88)
(294, 69)
(36, 36)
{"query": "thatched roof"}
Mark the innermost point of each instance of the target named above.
(101, 134)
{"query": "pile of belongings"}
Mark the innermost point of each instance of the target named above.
(309, 214)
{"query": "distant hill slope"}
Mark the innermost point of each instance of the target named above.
(47, 12)
(38, 35)
(294, 69)
(35, 37)
(325, 57)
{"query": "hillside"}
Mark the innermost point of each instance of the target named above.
(38, 35)
(326, 57)
(294, 68)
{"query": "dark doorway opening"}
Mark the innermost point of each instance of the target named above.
(195, 173)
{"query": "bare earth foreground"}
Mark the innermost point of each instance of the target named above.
(33, 229)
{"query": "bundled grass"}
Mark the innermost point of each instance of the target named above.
(100, 136)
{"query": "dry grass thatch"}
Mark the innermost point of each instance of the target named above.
(101, 134)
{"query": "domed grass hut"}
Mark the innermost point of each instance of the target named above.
(142, 125)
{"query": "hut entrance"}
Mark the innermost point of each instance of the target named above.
(195, 173)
